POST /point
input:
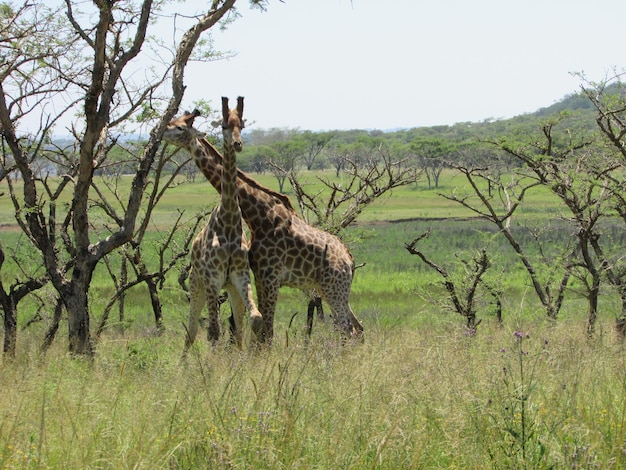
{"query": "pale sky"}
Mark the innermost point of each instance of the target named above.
(341, 64)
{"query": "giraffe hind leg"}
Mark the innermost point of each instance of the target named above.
(315, 303)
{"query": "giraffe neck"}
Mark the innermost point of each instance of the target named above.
(255, 200)
(204, 160)
(229, 174)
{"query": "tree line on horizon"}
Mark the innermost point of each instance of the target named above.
(285, 151)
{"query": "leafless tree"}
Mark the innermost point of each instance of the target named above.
(338, 204)
(566, 163)
(563, 159)
(498, 205)
(464, 293)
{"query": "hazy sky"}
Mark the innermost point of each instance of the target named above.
(341, 64)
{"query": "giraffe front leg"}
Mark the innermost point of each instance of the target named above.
(267, 292)
(213, 303)
(197, 302)
(237, 308)
(243, 287)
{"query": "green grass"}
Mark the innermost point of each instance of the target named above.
(408, 202)
(417, 393)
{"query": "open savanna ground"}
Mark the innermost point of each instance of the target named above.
(418, 392)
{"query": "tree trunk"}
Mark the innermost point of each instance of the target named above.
(620, 322)
(52, 331)
(78, 326)
(122, 295)
(156, 304)
(427, 173)
(593, 307)
(10, 325)
(77, 305)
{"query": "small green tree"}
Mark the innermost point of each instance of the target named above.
(284, 159)
(315, 143)
(432, 155)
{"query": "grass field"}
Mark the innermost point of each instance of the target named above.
(417, 393)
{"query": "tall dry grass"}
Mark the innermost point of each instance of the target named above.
(536, 396)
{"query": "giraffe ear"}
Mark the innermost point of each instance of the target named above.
(189, 117)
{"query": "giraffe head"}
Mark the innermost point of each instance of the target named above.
(180, 131)
(232, 119)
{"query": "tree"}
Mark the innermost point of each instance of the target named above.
(498, 205)
(258, 158)
(9, 300)
(341, 202)
(337, 157)
(464, 293)
(84, 58)
(283, 160)
(432, 154)
(167, 250)
(567, 164)
(609, 100)
(564, 157)
(314, 142)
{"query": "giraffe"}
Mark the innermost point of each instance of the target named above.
(219, 254)
(284, 250)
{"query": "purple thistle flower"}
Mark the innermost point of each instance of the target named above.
(518, 334)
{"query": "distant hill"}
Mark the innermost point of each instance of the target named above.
(575, 102)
